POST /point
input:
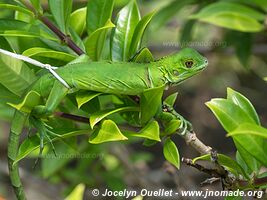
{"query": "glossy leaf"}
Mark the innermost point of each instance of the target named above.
(83, 97)
(61, 10)
(108, 132)
(17, 8)
(11, 24)
(77, 193)
(77, 39)
(253, 145)
(249, 129)
(231, 15)
(28, 34)
(243, 103)
(150, 131)
(95, 43)
(144, 56)
(229, 114)
(172, 126)
(245, 158)
(121, 37)
(170, 100)
(98, 116)
(150, 103)
(78, 20)
(187, 33)
(98, 13)
(49, 53)
(37, 5)
(15, 75)
(242, 43)
(31, 100)
(7, 96)
(225, 161)
(171, 153)
(32, 143)
(81, 58)
(138, 33)
(169, 11)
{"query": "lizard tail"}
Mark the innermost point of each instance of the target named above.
(13, 145)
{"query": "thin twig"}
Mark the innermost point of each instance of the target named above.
(63, 37)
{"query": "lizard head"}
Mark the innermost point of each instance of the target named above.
(183, 65)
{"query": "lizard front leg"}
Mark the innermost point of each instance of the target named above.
(58, 92)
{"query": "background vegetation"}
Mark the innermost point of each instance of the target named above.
(231, 34)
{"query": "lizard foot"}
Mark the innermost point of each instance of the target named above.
(44, 132)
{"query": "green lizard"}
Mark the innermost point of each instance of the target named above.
(108, 77)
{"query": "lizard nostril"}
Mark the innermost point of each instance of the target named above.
(206, 61)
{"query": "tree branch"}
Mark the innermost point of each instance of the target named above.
(192, 140)
(66, 39)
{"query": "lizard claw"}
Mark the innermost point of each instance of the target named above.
(44, 133)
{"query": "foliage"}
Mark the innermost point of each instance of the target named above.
(94, 30)
(239, 118)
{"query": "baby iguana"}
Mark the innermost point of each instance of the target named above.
(123, 78)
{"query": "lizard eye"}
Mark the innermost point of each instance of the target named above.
(189, 63)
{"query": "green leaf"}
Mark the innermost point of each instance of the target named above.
(187, 33)
(170, 100)
(49, 53)
(15, 75)
(31, 100)
(32, 143)
(16, 33)
(17, 8)
(98, 116)
(98, 13)
(225, 161)
(77, 39)
(169, 11)
(231, 15)
(229, 114)
(243, 103)
(150, 103)
(171, 153)
(150, 131)
(172, 126)
(11, 24)
(61, 10)
(37, 5)
(233, 198)
(242, 43)
(249, 129)
(95, 43)
(78, 20)
(144, 56)
(243, 157)
(253, 145)
(17, 28)
(80, 59)
(121, 37)
(77, 193)
(83, 97)
(138, 33)
(108, 132)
